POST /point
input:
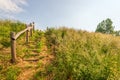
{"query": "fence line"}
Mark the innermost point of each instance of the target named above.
(29, 28)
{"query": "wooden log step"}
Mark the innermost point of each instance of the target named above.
(37, 59)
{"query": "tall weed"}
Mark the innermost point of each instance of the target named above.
(81, 55)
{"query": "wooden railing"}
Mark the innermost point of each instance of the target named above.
(29, 31)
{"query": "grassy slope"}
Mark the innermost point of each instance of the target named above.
(7, 26)
(30, 58)
(7, 71)
(80, 55)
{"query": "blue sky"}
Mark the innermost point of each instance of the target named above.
(78, 14)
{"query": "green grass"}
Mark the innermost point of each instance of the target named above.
(7, 26)
(7, 70)
(12, 73)
(80, 55)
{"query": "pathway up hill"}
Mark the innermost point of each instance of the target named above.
(31, 58)
(64, 54)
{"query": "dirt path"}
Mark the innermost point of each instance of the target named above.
(30, 67)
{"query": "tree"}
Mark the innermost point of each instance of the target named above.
(117, 33)
(105, 27)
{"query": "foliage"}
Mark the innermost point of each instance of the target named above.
(38, 35)
(80, 55)
(39, 46)
(105, 26)
(7, 26)
(117, 33)
(12, 73)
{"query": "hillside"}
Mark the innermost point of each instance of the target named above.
(31, 57)
(80, 55)
(60, 54)
(7, 26)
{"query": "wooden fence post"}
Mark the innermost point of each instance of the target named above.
(13, 38)
(31, 30)
(33, 25)
(13, 47)
(27, 35)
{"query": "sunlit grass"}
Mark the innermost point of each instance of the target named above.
(81, 55)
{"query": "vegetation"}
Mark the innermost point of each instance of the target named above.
(105, 27)
(80, 55)
(7, 26)
(117, 33)
(12, 73)
(28, 55)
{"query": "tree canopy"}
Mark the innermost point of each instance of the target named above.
(105, 26)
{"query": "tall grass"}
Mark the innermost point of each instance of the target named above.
(7, 26)
(80, 55)
(8, 71)
(12, 73)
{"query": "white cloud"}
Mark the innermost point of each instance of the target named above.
(8, 7)
(12, 6)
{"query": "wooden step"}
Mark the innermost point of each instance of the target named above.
(35, 50)
(34, 60)
(31, 55)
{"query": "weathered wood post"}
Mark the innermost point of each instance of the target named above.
(13, 47)
(27, 35)
(31, 31)
(33, 25)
